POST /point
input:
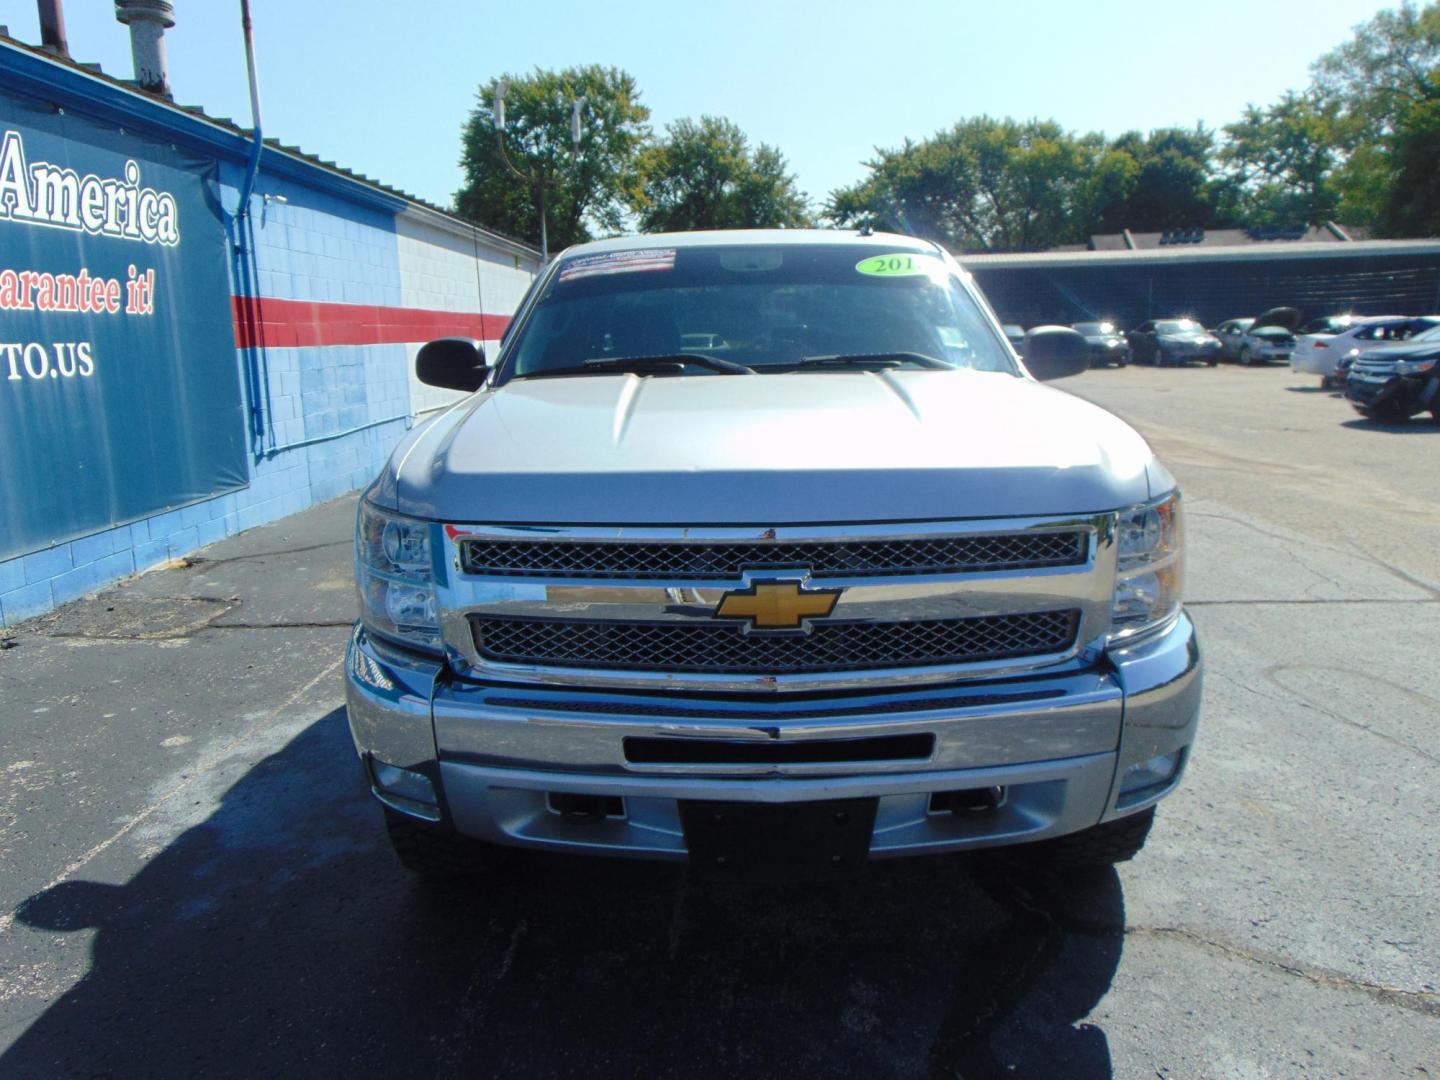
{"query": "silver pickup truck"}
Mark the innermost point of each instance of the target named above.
(763, 550)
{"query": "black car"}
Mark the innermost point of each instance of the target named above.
(1107, 345)
(1168, 342)
(1015, 334)
(1395, 382)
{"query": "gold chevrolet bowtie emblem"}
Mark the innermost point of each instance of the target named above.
(777, 606)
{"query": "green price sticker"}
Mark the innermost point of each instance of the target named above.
(900, 264)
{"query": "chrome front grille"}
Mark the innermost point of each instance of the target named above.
(611, 606)
(719, 648)
(716, 561)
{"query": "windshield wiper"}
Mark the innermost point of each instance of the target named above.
(879, 359)
(644, 364)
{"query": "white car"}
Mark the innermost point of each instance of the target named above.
(1321, 343)
(1271, 336)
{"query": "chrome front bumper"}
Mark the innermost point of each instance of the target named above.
(1059, 743)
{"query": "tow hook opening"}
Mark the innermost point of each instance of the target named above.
(585, 807)
(406, 790)
(968, 800)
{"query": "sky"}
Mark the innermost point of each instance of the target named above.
(384, 87)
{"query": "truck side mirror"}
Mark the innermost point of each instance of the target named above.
(1054, 352)
(452, 363)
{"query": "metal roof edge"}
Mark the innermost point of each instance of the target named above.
(1234, 253)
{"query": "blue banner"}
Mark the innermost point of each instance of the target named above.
(119, 385)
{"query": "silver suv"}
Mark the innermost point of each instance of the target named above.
(765, 551)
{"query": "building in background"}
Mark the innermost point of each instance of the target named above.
(1212, 283)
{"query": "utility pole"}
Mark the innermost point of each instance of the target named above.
(538, 181)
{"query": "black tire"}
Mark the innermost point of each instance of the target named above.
(434, 852)
(1214, 361)
(1246, 356)
(1100, 845)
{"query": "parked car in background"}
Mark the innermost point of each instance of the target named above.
(1268, 337)
(1167, 342)
(1398, 380)
(1015, 334)
(1107, 345)
(1323, 343)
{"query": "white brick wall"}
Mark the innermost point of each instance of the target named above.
(441, 270)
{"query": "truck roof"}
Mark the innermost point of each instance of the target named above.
(724, 237)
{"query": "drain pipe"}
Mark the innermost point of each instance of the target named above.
(254, 168)
(246, 270)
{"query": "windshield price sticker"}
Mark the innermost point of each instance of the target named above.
(899, 264)
(619, 262)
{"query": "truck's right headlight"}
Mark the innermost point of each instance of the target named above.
(1151, 568)
(396, 577)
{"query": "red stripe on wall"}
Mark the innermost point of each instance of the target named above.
(262, 321)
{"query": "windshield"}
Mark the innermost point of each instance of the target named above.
(768, 308)
(1094, 329)
(1177, 326)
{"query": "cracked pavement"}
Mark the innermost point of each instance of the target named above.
(194, 881)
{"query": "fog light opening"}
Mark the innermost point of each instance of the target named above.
(1146, 778)
(405, 790)
(968, 800)
(585, 807)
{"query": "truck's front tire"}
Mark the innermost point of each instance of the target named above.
(1100, 845)
(435, 853)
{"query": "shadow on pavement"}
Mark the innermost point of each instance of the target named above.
(281, 938)
(1416, 425)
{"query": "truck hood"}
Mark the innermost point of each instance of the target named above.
(768, 449)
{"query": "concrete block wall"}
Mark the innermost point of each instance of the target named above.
(443, 269)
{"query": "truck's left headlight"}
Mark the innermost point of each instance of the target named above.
(396, 577)
(1150, 570)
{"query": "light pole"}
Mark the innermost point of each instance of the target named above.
(538, 180)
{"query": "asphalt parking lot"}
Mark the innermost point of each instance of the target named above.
(194, 882)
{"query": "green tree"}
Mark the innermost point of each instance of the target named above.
(1283, 160)
(984, 184)
(581, 192)
(1172, 184)
(1382, 86)
(1382, 72)
(1412, 203)
(705, 176)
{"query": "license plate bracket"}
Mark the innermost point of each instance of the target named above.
(808, 841)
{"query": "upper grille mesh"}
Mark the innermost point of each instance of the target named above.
(642, 559)
(705, 647)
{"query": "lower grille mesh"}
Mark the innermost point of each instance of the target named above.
(721, 648)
